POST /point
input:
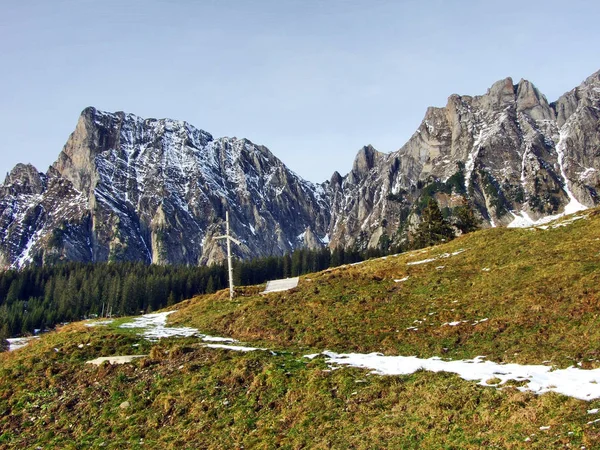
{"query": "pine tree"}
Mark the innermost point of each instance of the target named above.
(466, 221)
(171, 300)
(287, 265)
(433, 228)
(4, 334)
(210, 286)
(297, 257)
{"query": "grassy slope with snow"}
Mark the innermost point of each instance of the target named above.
(537, 288)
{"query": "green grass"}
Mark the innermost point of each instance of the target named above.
(188, 396)
(540, 297)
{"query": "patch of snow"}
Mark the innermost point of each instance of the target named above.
(357, 263)
(523, 161)
(522, 220)
(428, 260)
(454, 324)
(216, 339)
(423, 261)
(569, 221)
(114, 359)
(470, 164)
(99, 323)
(235, 348)
(480, 321)
(401, 280)
(593, 411)
(155, 327)
(586, 173)
(17, 343)
(573, 382)
(25, 256)
(574, 204)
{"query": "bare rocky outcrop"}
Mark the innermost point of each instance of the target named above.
(512, 155)
(156, 191)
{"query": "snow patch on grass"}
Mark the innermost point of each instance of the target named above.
(114, 359)
(401, 280)
(454, 324)
(155, 327)
(572, 382)
(17, 343)
(442, 256)
(99, 323)
(235, 348)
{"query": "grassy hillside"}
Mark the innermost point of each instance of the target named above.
(537, 288)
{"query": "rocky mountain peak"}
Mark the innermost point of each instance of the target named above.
(365, 160)
(586, 94)
(156, 190)
(501, 93)
(25, 179)
(531, 101)
(336, 180)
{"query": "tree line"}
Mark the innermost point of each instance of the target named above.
(38, 298)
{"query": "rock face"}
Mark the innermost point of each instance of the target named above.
(512, 155)
(127, 188)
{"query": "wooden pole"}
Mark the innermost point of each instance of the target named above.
(229, 265)
(228, 237)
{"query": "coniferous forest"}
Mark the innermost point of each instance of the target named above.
(38, 298)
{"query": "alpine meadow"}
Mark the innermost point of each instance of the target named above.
(429, 278)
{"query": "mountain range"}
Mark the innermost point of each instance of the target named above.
(128, 188)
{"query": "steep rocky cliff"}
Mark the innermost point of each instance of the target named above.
(513, 156)
(155, 191)
(127, 188)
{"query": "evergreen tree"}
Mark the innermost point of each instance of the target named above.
(287, 266)
(466, 221)
(297, 258)
(171, 299)
(4, 334)
(433, 228)
(384, 242)
(210, 286)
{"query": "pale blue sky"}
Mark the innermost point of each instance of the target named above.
(312, 80)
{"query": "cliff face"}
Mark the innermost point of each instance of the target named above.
(515, 157)
(157, 191)
(127, 188)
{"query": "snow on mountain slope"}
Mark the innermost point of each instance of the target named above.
(128, 188)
